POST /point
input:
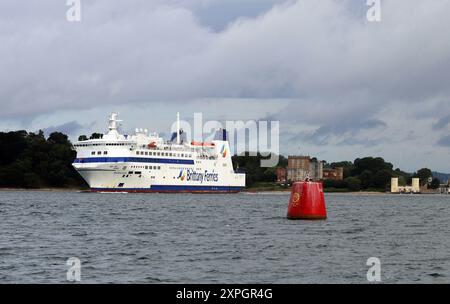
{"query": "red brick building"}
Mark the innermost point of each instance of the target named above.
(334, 174)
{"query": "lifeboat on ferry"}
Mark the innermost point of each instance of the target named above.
(202, 144)
(151, 145)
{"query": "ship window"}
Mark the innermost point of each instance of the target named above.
(93, 153)
(99, 152)
(137, 152)
(146, 167)
(146, 153)
(120, 185)
(105, 152)
(158, 154)
(159, 168)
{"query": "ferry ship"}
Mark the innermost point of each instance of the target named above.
(145, 162)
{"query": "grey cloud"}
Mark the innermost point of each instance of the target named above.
(351, 127)
(148, 51)
(442, 123)
(444, 141)
(338, 71)
(345, 131)
(366, 142)
(218, 14)
(69, 128)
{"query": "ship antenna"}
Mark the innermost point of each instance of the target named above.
(178, 128)
(113, 121)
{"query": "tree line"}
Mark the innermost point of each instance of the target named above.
(30, 160)
(374, 173)
(368, 173)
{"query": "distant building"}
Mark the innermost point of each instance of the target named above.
(333, 173)
(281, 175)
(414, 188)
(316, 169)
(302, 167)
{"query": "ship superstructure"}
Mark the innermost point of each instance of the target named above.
(145, 162)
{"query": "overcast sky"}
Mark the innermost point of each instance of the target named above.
(341, 87)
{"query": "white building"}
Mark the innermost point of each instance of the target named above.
(414, 188)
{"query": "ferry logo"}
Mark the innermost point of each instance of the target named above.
(182, 175)
(224, 151)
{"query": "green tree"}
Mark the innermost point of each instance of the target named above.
(382, 178)
(331, 183)
(347, 165)
(59, 138)
(251, 166)
(30, 160)
(96, 136)
(366, 179)
(435, 183)
(373, 164)
(424, 174)
(353, 183)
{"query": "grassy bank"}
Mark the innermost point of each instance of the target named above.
(268, 186)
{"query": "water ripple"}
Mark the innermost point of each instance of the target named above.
(243, 238)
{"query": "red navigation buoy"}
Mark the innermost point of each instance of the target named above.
(307, 202)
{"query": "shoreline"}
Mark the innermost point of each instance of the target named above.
(43, 189)
(331, 192)
(250, 191)
(246, 191)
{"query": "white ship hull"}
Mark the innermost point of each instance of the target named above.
(130, 164)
